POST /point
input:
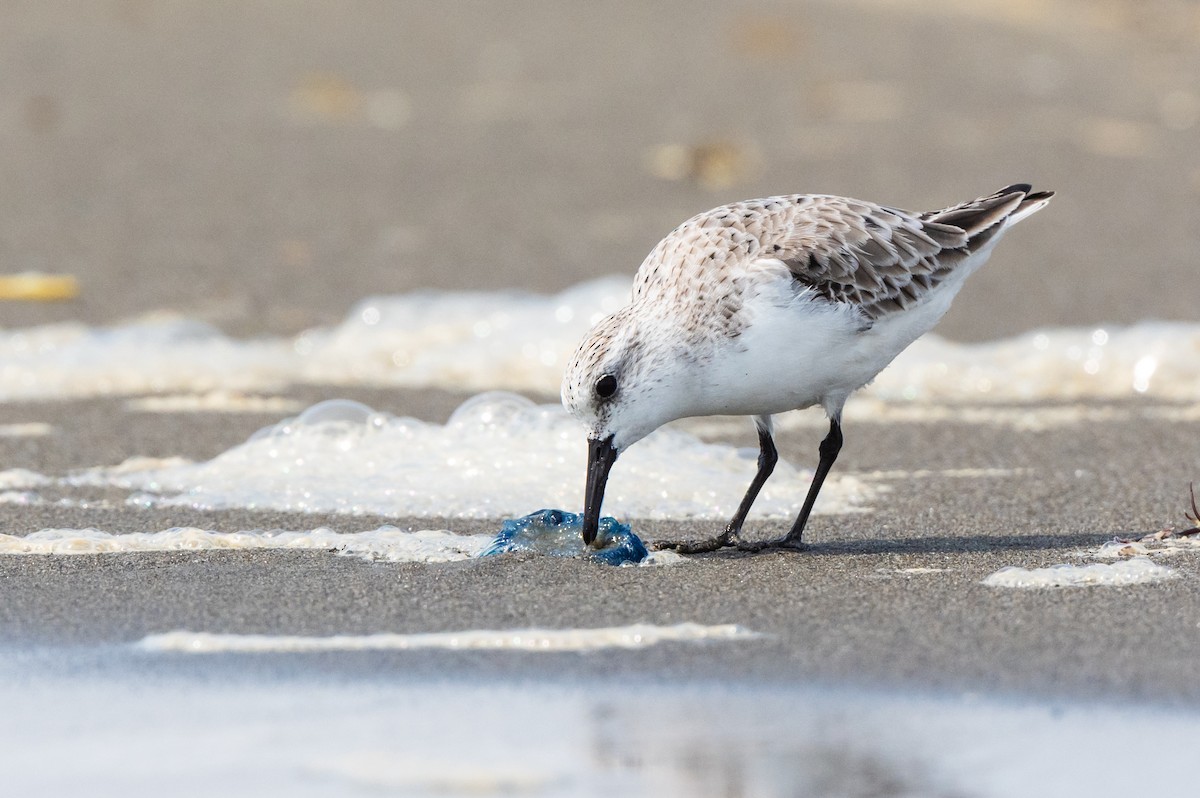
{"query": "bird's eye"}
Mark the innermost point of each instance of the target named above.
(606, 386)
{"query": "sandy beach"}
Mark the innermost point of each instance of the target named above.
(263, 170)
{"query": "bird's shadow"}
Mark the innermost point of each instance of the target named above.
(939, 544)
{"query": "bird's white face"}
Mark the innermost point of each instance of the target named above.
(619, 384)
(623, 385)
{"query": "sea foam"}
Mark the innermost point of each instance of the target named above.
(386, 543)
(499, 456)
(472, 341)
(640, 635)
(1134, 571)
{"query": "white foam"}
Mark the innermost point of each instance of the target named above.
(25, 497)
(1133, 571)
(456, 340)
(499, 455)
(156, 355)
(21, 478)
(863, 408)
(871, 409)
(386, 543)
(103, 475)
(1159, 359)
(463, 340)
(521, 341)
(533, 640)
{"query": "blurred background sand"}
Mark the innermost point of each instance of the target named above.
(265, 165)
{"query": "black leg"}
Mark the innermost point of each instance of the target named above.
(768, 456)
(829, 451)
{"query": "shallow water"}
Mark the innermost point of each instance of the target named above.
(133, 729)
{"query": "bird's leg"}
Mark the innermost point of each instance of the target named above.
(768, 456)
(829, 451)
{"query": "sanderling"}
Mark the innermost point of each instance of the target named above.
(771, 305)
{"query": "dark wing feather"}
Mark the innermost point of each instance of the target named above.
(879, 258)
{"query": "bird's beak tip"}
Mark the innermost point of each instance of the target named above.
(601, 456)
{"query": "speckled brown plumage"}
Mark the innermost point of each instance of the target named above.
(877, 258)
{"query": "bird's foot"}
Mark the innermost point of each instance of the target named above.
(726, 538)
(780, 544)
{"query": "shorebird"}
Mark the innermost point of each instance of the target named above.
(770, 305)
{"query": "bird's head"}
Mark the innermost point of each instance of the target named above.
(623, 384)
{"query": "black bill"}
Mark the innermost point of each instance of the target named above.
(601, 456)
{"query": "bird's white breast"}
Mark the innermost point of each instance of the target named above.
(797, 350)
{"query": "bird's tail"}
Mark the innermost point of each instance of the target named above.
(985, 217)
(1033, 202)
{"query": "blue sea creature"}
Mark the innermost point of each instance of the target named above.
(556, 533)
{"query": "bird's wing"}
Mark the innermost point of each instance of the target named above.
(879, 258)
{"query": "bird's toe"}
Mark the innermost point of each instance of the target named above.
(697, 546)
(784, 544)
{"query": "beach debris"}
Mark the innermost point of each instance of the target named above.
(38, 287)
(1164, 541)
(557, 533)
(1124, 547)
(1193, 516)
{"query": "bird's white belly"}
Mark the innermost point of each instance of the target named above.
(804, 353)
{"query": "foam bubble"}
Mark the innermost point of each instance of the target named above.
(498, 456)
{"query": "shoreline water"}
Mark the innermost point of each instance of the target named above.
(375, 731)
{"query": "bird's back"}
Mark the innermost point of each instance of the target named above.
(797, 300)
(877, 258)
